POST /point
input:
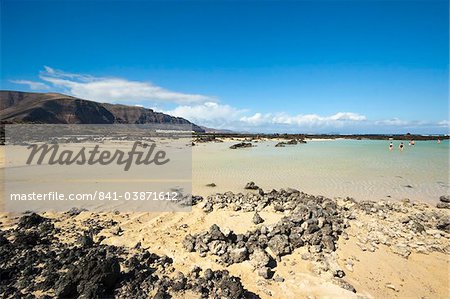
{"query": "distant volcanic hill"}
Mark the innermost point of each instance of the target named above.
(55, 108)
(217, 131)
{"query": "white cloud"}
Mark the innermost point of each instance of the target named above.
(208, 114)
(393, 122)
(309, 120)
(348, 116)
(256, 119)
(444, 123)
(33, 85)
(411, 124)
(116, 89)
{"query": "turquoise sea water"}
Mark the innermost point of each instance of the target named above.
(364, 169)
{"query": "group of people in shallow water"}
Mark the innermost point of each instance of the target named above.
(401, 145)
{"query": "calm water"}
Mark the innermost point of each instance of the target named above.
(363, 169)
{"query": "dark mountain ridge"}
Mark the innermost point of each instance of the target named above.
(56, 108)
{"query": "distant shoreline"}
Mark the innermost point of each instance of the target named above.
(324, 136)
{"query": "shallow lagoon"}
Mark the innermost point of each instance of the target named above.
(363, 169)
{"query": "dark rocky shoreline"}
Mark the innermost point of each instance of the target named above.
(33, 259)
(37, 259)
(207, 137)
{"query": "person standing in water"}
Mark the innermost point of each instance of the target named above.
(391, 146)
(401, 146)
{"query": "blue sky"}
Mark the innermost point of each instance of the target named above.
(263, 66)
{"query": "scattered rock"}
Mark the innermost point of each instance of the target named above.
(404, 219)
(278, 279)
(205, 139)
(444, 224)
(189, 243)
(265, 272)
(116, 230)
(443, 205)
(349, 265)
(241, 145)
(290, 142)
(445, 198)
(279, 244)
(391, 286)
(75, 211)
(251, 186)
(401, 249)
(238, 255)
(259, 258)
(86, 240)
(339, 273)
(344, 284)
(257, 219)
(30, 221)
(93, 276)
(328, 243)
(3, 240)
(215, 233)
(179, 282)
(417, 227)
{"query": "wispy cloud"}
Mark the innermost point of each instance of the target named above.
(209, 114)
(308, 120)
(444, 123)
(397, 122)
(114, 90)
(33, 85)
(393, 122)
